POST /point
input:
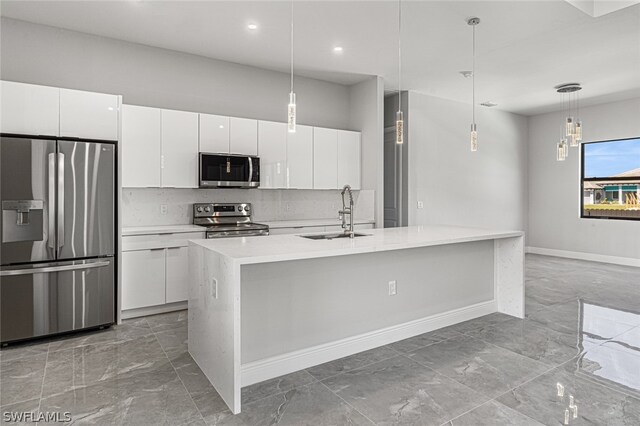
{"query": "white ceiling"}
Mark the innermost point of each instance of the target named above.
(524, 48)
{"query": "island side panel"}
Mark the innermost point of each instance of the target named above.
(509, 275)
(296, 305)
(214, 321)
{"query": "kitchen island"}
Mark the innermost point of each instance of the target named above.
(261, 307)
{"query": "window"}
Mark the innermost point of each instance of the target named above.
(611, 179)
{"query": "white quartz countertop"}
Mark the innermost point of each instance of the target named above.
(309, 222)
(161, 229)
(279, 248)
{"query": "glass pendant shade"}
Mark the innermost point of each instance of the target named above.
(291, 113)
(573, 142)
(562, 150)
(399, 128)
(569, 127)
(474, 138)
(577, 135)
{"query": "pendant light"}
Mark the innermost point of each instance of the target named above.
(291, 108)
(572, 126)
(473, 137)
(399, 114)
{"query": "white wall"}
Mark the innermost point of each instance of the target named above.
(162, 78)
(487, 188)
(367, 108)
(554, 187)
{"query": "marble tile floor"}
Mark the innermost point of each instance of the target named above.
(580, 342)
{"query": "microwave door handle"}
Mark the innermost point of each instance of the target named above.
(250, 169)
(60, 200)
(51, 207)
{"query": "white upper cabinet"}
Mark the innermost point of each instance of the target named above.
(325, 158)
(141, 142)
(348, 159)
(300, 158)
(179, 159)
(243, 136)
(29, 109)
(272, 149)
(88, 115)
(214, 133)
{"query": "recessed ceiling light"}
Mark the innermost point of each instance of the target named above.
(221, 126)
(252, 26)
(338, 49)
(489, 104)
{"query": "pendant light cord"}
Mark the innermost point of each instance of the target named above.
(473, 78)
(291, 45)
(399, 55)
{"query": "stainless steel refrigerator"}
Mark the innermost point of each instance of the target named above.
(57, 271)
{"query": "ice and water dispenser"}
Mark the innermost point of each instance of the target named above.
(22, 220)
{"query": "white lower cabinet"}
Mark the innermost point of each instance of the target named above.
(177, 273)
(143, 278)
(155, 270)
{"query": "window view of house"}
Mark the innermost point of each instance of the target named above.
(611, 179)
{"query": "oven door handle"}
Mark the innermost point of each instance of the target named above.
(225, 234)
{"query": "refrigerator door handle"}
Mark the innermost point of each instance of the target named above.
(60, 200)
(48, 269)
(51, 207)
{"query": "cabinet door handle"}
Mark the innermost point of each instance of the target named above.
(157, 248)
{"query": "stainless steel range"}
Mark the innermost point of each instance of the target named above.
(225, 220)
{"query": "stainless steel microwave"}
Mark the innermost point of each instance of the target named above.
(229, 171)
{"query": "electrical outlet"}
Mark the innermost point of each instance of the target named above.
(393, 288)
(214, 288)
(287, 206)
(420, 204)
(164, 209)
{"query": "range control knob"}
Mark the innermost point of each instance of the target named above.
(239, 208)
(199, 209)
(247, 208)
(207, 209)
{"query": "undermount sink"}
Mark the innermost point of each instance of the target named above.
(331, 236)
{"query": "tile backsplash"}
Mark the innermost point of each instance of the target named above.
(142, 206)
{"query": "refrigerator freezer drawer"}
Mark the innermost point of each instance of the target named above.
(50, 298)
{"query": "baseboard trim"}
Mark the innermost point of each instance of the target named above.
(153, 310)
(616, 260)
(258, 371)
